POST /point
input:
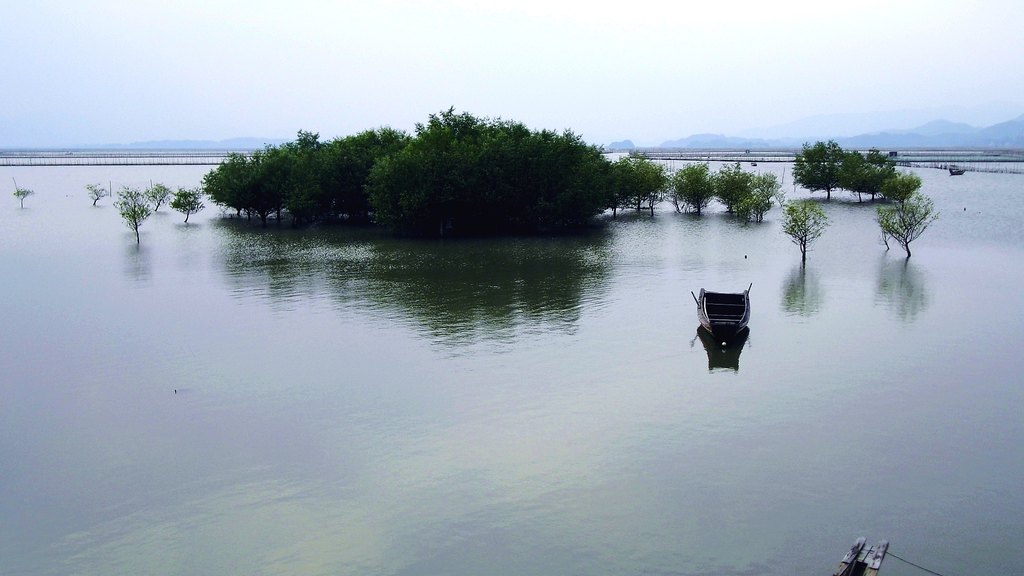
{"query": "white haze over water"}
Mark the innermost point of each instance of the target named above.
(110, 71)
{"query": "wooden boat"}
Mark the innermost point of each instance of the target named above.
(861, 561)
(723, 314)
(954, 171)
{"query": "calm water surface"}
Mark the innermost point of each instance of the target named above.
(229, 400)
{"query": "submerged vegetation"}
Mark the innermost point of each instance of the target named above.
(96, 192)
(21, 193)
(804, 222)
(459, 175)
(188, 201)
(134, 207)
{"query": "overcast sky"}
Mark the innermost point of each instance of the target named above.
(94, 72)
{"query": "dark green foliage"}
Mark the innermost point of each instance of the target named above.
(901, 186)
(638, 182)
(188, 201)
(862, 174)
(310, 179)
(461, 175)
(732, 186)
(458, 175)
(817, 167)
(764, 189)
(345, 170)
(693, 187)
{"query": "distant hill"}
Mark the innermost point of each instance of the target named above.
(621, 145)
(718, 141)
(940, 133)
(936, 133)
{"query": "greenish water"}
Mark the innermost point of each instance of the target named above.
(230, 400)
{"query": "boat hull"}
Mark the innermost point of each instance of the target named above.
(724, 315)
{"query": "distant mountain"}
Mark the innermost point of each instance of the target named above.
(1009, 133)
(940, 127)
(718, 141)
(936, 133)
(842, 125)
(940, 133)
(621, 145)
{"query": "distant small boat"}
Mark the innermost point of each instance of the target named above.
(753, 163)
(723, 314)
(954, 171)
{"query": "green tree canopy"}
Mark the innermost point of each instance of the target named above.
(463, 175)
(905, 221)
(188, 201)
(693, 187)
(96, 192)
(346, 167)
(804, 222)
(134, 207)
(21, 193)
(640, 182)
(901, 186)
(732, 186)
(865, 174)
(764, 190)
(256, 184)
(157, 194)
(817, 167)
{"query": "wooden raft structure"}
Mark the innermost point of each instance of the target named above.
(861, 561)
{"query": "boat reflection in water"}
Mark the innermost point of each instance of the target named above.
(723, 355)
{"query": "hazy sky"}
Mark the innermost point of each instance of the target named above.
(93, 72)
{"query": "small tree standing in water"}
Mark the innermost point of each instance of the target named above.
(134, 209)
(905, 221)
(21, 193)
(188, 201)
(804, 222)
(693, 187)
(96, 192)
(764, 189)
(901, 186)
(157, 194)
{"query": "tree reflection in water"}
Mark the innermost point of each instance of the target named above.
(488, 288)
(901, 287)
(802, 293)
(456, 291)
